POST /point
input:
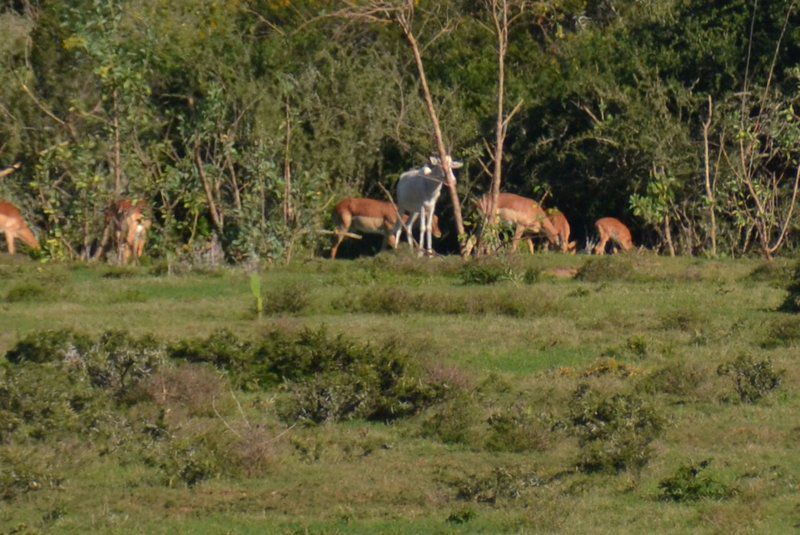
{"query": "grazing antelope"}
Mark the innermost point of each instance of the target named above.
(417, 193)
(525, 213)
(560, 223)
(13, 225)
(369, 216)
(128, 226)
(610, 228)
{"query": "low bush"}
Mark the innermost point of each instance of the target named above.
(675, 379)
(288, 299)
(222, 349)
(193, 388)
(614, 432)
(753, 379)
(27, 291)
(500, 483)
(692, 482)
(607, 268)
(48, 346)
(453, 421)
(22, 471)
(516, 429)
(485, 272)
(782, 332)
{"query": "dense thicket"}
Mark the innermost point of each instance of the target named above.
(248, 118)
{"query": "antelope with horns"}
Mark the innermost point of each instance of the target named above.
(417, 193)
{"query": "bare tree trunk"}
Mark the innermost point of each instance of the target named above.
(216, 215)
(668, 235)
(405, 24)
(709, 189)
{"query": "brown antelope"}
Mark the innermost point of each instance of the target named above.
(610, 228)
(369, 216)
(524, 213)
(417, 192)
(13, 225)
(128, 226)
(560, 223)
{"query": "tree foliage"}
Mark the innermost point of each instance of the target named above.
(246, 119)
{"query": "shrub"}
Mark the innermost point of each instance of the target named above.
(330, 378)
(782, 332)
(118, 361)
(47, 346)
(606, 268)
(222, 349)
(29, 291)
(500, 483)
(487, 272)
(192, 387)
(22, 472)
(691, 482)
(753, 379)
(614, 432)
(675, 379)
(452, 422)
(289, 299)
(516, 430)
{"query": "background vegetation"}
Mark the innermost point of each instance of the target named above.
(247, 119)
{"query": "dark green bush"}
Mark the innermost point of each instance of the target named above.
(485, 272)
(691, 482)
(330, 378)
(222, 349)
(753, 379)
(614, 432)
(47, 346)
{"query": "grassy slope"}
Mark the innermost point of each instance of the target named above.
(648, 312)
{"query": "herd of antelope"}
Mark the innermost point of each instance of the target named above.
(417, 192)
(127, 223)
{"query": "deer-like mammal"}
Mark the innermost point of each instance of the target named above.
(127, 225)
(560, 223)
(369, 216)
(417, 193)
(610, 228)
(524, 213)
(13, 226)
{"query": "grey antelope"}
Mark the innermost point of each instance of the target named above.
(524, 213)
(13, 226)
(610, 228)
(417, 192)
(369, 216)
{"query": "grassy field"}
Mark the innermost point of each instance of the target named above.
(544, 402)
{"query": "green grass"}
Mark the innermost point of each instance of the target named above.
(511, 344)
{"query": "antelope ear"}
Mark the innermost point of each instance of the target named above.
(425, 170)
(455, 164)
(434, 160)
